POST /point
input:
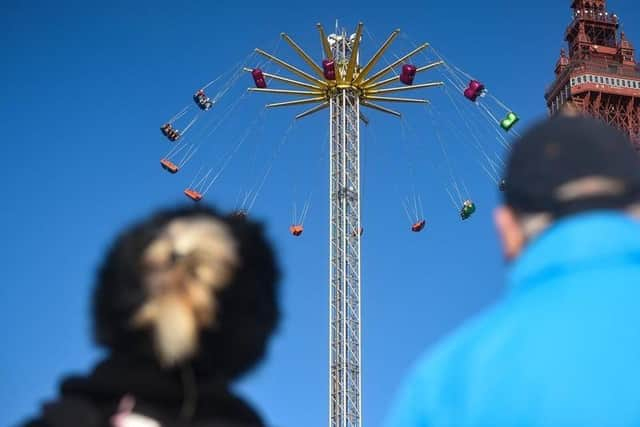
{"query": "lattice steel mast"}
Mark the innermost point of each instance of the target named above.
(343, 89)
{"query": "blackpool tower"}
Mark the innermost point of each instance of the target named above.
(598, 75)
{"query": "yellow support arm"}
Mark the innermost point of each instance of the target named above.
(303, 55)
(376, 57)
(354, 53)
(298, 102)
(291, 68)
(313, 110)
(325, 42)
(380, 108)
(391, 99)
(285, 80)
(390, 67)
(394, 79)
(286, 91)
(403, 88)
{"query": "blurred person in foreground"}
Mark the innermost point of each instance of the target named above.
(185, 303)
(562, 346)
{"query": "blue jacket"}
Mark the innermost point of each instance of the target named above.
(561, 349)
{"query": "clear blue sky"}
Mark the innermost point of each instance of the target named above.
(86, 86)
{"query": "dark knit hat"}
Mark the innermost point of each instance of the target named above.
(563, 150)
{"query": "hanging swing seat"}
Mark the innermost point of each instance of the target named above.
(474, 90)
(329, 69)
(169, 166)
(170, 132)
(468, 208)
(258, 78)
(240, 213)
(408, 73)
(296, 229)
(202, 100)
(509, 121)
(194, 195)
(418, 226)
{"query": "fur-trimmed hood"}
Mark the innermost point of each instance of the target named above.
(185, 303)
(242, 311)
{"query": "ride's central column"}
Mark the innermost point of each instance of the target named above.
(345, 232)
(343, 85)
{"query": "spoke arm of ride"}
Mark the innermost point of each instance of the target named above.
(429, 66)
(391, 99)
(402, 88)
(297, 102)
(286, 80)
(325, 42)
(380, 108)
(354, 56)
(395, 78)
(303, 55)
(364, 119)
(382, 82)
(391, 66)
(376, 57)
(291, 68)
(286, 91)
(313, 110)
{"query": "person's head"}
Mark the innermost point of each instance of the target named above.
(189, 287)
(561, 167)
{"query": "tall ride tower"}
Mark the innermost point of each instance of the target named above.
(599, 74)
(342, 85)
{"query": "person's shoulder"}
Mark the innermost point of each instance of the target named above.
(34, 422)
(431, 389)
(66, 412)
(434, 366)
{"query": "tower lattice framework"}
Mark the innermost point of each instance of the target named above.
(599, 75)
(344, 273)
(342, 85)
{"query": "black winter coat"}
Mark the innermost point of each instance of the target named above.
(166, 399)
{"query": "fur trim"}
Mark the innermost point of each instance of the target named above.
(189, 285)
(185, 266)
